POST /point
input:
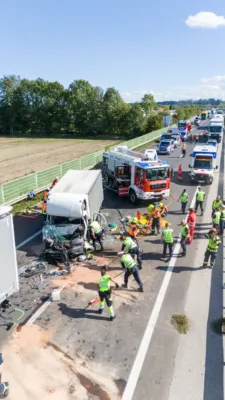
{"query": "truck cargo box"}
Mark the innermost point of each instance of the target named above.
(9, 282)
(74, 184)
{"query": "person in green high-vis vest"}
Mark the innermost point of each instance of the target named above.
(104, 292)
(184, 200)
(199, 200)
(168, 240)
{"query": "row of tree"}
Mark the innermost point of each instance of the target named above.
(202, 102)
(42, 108)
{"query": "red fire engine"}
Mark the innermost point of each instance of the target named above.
(136, 175)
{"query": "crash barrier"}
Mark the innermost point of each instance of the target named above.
(16, 190)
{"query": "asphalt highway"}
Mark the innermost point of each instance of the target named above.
(116, 346)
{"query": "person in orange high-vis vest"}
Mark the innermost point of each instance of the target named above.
(45, 195)
(155, 221)
(44, 207)
(133, 231)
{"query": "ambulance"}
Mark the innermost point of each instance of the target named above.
(139, 176)
(203, 164)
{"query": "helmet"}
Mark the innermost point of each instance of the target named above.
(151, 207)
(161, 204)
(134, 220)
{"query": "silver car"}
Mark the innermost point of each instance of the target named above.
(165, 147)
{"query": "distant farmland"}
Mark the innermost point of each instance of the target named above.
(19, 157)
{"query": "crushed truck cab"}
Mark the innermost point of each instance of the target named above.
(77, 197)
(203, 164)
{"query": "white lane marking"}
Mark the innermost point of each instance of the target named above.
(42, 308)
(39, 311)
(142, 351)
(28, 240)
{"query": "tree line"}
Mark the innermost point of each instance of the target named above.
(42, 108)
(208, 103)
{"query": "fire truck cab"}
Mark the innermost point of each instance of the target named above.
(136, 175)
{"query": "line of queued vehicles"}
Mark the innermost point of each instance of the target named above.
(204, 153)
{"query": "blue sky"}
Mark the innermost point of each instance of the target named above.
(135, 46)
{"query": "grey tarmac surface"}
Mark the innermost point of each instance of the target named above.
(112, 346)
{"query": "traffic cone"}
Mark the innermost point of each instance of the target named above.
(138, 215)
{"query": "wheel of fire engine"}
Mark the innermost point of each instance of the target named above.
(132, 196)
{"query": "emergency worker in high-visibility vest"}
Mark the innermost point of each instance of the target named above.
(46, 193)
(96, 233)
(104, 291)
(44, 209)
(129, 246)
(184, 200)
(156, 216)
(212, 248)
(216, 203)
(150, 209)
(191, 221)
(130, 266)
(199, 200)
(133, 232)
(168, 240)
(184, 233)
(163, 209)
(216, 215)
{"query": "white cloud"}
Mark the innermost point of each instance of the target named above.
(205, 19)
(208, 87)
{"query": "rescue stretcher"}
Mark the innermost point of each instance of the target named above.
(144, 225)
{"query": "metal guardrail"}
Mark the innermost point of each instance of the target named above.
(16, 190)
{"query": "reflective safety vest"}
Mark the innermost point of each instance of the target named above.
(216, 203)
(168, 235)
(128, 261)
(156, 213)
(45, 195)
(184, 198)
(104, 283)
(200, 195)
(222, 216)
(184, 230)
(131, 232)
(213, 244)
(216, 219)
(96, 226)
(44, 206)
(129, 244)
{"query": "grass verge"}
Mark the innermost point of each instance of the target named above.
(27, 203)
(180, 323)
(146, 145)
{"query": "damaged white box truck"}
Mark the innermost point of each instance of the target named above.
(9, 282)
(77, 197)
